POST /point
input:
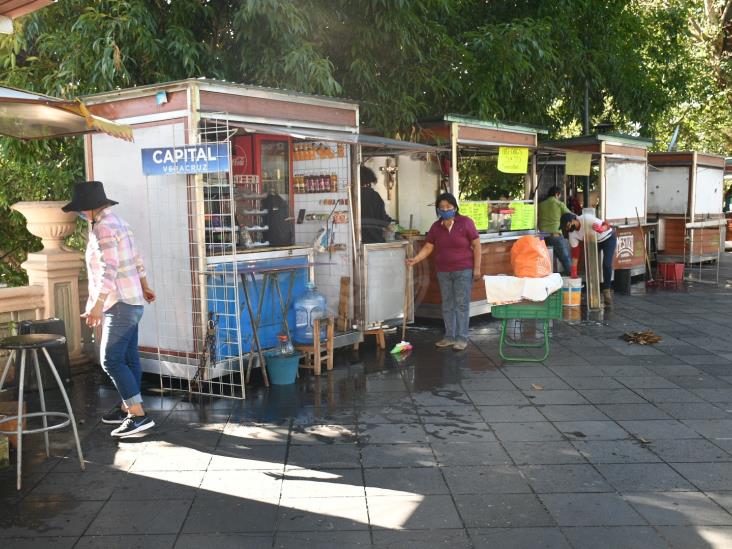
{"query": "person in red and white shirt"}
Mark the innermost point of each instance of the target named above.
(575, 228)
(118, 289)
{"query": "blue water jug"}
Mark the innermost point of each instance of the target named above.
(308, 307)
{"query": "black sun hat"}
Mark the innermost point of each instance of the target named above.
(88, 195)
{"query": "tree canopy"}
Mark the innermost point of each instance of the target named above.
(648, 65)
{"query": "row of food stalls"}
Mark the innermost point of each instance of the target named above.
(240, 195)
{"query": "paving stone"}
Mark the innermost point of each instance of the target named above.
(707, 476)
(459, 432)
(591, 510)
(146, 541)
(543, 453)
(564, 478)
(306, 482)
(396, 433)
(613, 537)
(502, 510)
(510, 414)
(711, 428)
(404, 481)
(449, 415)
(498, 398)
(158, 485)
(322, 514)
(679, 508)
(531, 385)
(497, 479)
(693, 410)
(633, 411)
(668, 395)
(714, 395)
(688, 450)
(555, 397)
(573, 412)
(442, 397)
(397, 455)
(334, 456)
(45, 542)
(644, 477)
(323, 434)
(413, 512)
(144, 517)
(318, 540)
(258, 456)
(612, 396)
(229, 515)
(60, 518)
(652, 430)
(591, 430)
(595, 382)
(697, 537)
(646, 382)
(420, 539)
(518, 538)
(472, 453)
(615, 451)
(526, 432)
(81, 486)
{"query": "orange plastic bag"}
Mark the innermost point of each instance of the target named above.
(530, 258)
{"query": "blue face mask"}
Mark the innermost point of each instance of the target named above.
(83, 216)
(446, 214)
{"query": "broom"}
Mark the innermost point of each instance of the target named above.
(649, 281)
(404, 345)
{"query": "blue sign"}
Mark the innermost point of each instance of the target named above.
(208, 158)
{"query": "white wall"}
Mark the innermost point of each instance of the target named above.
(709, 191)
(625, 190)
(156, 209)
(668, 190)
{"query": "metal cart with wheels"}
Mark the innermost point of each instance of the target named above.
(549, 309)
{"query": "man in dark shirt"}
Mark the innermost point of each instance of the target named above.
(373, 213)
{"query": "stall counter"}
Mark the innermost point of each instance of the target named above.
(495, 259)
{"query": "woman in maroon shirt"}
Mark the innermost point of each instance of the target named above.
(457, 262)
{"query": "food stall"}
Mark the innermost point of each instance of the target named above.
(240, 196)
(619, 165)
(686, 196)
(500, 222)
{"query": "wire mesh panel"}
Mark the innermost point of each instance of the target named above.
(194, 236)
(323, 213)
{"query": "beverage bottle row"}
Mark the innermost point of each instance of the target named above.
(322, 183)
(313, 151)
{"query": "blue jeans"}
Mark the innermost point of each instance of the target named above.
(119, 355)
(607, 247)
(455, 289)
(561, 250)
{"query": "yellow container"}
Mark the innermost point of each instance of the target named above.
(571, 292)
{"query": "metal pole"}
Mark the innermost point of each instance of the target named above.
(586, 131)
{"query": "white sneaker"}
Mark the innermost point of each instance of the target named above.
(445, 342)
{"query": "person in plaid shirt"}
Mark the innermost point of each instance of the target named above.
(118, 290)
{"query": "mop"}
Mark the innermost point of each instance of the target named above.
(404, 346)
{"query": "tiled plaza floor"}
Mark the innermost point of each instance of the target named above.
(604, 445)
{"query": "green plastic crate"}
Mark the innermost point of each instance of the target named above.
(550, 308)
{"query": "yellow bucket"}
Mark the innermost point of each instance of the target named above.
(571, 292)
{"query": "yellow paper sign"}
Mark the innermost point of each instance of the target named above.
(578, 163)
(477, 211)
(513, 159)
(523, 217)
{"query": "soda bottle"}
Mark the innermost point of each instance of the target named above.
(286, 348)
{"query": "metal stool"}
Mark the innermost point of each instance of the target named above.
(33, 342)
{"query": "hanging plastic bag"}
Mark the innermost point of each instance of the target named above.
(323, 240)
(530, 258)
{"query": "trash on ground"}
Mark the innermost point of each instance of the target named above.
(646, 337)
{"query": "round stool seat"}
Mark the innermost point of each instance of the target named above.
(31, 341)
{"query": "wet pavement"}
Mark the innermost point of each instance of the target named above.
(604, 444)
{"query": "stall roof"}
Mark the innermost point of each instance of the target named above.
(213, 84)
(687, 158)
(594, 139)
(28, 115)
(378, 143)
(18, 8)
(494, 125)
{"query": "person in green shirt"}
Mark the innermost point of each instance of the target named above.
(551, 210)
